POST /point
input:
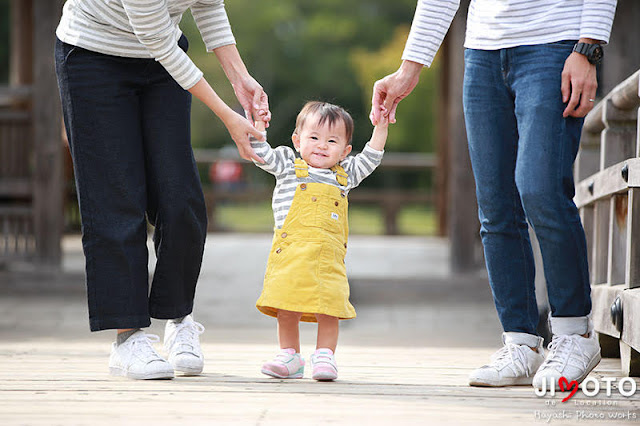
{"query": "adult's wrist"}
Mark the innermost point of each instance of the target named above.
(231, 63)
(410, 69)
(589, 40)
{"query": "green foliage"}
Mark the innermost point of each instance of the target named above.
(301, 50)
(415, 129)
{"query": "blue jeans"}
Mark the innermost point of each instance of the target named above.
(128, 125)
(522, 152)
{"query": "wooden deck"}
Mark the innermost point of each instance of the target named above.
(48, 382)
(403, 361)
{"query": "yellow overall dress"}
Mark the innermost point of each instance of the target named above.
(306, 271)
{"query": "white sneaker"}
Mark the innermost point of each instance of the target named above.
(136, 358)
(182, 343)
(512, 365)
(324, 365)
(571, 356)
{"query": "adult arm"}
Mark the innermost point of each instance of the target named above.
(213, 24)
(430, 24)
(153, 27)
(579, 80)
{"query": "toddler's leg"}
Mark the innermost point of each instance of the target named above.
(288, 364)
(328, 330)
(288, 331)
(324, 363)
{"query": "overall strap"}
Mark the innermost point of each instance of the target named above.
(302, 170)
(341, 175)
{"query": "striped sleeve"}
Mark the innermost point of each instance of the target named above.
(213, 23)
(430, 24)
(597, 19)
(153, 27)
(276, 160)
(362, 165)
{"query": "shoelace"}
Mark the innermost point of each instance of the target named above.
(509, 355)
(186, 335)
(142, 348)
(561, 348)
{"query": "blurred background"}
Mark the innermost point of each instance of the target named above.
(302, 50)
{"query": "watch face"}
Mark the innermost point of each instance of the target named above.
(596, 54)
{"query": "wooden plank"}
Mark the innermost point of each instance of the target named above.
(607, 182)
(602, 297)
(629, 360)
(616, 258)
(631, 317)
(632, 264)
(599, 259)
(48, 181)
(587, 216)
(15, 187)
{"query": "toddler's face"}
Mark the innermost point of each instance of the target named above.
(322, 146)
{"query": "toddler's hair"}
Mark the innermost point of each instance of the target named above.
(326, 112)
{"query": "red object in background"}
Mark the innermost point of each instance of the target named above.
(225, 171)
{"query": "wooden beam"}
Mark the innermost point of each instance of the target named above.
(464, 226)
(602, 297)
(47, 174)
(608, 182)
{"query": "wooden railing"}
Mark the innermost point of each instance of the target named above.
(390, 201)
(17, 239)
(608, 195)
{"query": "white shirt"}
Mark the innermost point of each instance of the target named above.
(499, 24)
(145, 29)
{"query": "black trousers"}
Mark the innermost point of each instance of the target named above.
(128, 125)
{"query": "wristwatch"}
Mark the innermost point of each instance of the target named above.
(593, 52)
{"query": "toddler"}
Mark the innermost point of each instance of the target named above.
(306, 277)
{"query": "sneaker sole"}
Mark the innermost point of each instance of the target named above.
(187, 371)
(278, 376)
(522, 381)
(592, 364)
(325, 377)
(115, 371)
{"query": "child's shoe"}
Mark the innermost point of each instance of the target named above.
(324, 365)
(286, 365)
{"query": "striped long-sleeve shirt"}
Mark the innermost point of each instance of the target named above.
(145, 29)
(280, 162)
(499, 24)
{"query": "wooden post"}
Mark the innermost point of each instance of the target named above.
(20, 61)
(47, 173)
(463, 211)
(442, 114)
(632, 268)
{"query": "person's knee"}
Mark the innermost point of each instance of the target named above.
(183, 215)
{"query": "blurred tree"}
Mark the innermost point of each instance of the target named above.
(414, 130)
(303, 50)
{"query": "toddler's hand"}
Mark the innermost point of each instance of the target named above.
(260, 125)
(383, 118)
